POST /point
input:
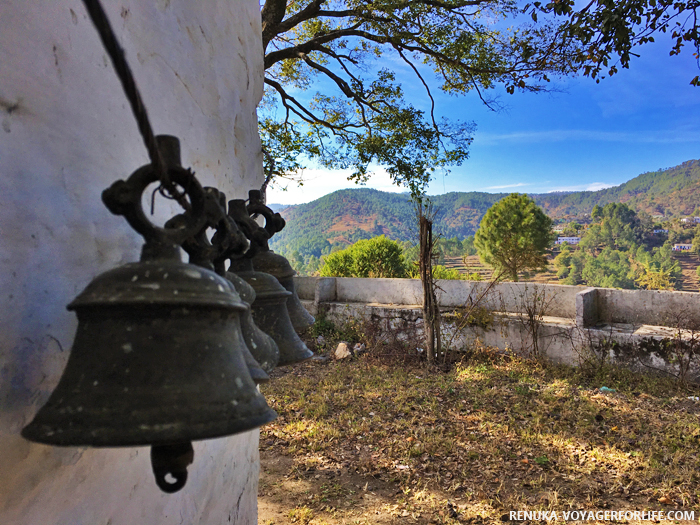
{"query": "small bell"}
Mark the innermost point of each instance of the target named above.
(157, 354)
(227, 240)
(261, 345)
(270, 312)
(267, 261)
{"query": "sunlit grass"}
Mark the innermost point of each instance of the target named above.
(495, 434)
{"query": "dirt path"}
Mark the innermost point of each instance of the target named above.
(322, 495)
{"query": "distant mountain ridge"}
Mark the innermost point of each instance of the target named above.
(346, 216)
(277, 207)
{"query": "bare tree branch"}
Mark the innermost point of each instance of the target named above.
(272, 14)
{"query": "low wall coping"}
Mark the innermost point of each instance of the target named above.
(588, 306)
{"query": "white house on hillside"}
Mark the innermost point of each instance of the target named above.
(570, 240)
(681, 247)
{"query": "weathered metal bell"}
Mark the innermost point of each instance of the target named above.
(156, 358)
(203, 253)
(279, 267)
(270, 312)
(267, 261)
(156, 361)
(261, 345)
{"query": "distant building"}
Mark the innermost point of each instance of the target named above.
(662, 230)
(570, 240)
(682, 247)
(695, 220)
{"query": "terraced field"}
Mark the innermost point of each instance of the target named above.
(688, 282)
(471, 264)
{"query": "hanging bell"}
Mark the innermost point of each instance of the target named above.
(156, 358)
(227, 240)
(261, 345)
(269, 309)
(270, 313)
(279, 267)
(267, 261)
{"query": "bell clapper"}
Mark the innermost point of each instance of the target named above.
(170, 463)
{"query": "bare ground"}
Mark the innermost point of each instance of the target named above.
(367, 442)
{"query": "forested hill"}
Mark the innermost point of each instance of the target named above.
(672, 192)
(346, 216)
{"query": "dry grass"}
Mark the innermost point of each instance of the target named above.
(367, 442)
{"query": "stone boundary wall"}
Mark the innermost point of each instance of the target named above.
(639, 329)
(587, 306)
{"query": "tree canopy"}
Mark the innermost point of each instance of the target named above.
(607, 31)
(350, 50)
(618, 251)
(514, 235)
(376, 257)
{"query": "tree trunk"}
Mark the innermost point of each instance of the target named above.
(431, 312)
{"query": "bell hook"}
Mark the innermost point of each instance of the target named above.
(267, 261)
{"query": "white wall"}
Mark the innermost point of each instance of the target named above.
(66, 133)
(647, 307)
(504, 297)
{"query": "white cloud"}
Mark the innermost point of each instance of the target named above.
(517, 185)
(320, 182)
(593, 186)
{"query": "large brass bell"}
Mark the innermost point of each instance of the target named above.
(269, 309)
(156, 358)
(267, 261)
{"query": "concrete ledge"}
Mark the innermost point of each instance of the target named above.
(587, 305)
(326, 290)
(653, 307)
(639, 328)
(306, 287)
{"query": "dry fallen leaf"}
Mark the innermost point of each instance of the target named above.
(665, 500)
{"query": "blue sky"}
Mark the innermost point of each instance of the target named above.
(580, 136)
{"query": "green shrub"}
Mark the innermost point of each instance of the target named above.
(376, 257)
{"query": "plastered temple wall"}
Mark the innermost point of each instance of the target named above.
(67, 133)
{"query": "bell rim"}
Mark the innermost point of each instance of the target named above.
(271, 296)
(296, 360)
(190, 432)
(89, 305)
